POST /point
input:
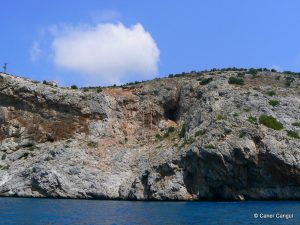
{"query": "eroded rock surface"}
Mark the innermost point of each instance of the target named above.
(166, 139)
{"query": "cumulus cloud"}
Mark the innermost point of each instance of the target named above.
(35, 51)
(107, 53)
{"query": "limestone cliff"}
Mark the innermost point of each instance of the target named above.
(230, 134)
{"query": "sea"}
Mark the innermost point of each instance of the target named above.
(33, 211)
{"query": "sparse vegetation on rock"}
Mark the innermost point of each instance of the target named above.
(209, 146)
(182, 131)
(252, 119)
(206, 81)
(271, 93)
(274, 102)
(296, 124)
(236, 80)
(293, 134)
(271, 122)
(289, 81)
(199, 133)
(220, 117)
(92, 144)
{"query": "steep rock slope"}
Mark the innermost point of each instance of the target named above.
(181, 138)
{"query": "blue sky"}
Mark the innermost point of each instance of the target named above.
(180, 35)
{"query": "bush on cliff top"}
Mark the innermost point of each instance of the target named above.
(236, 80)
(206, 81)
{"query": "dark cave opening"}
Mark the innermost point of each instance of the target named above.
(171, 114)
(171, 110)
(188, 179)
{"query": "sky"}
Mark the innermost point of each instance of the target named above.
(105, 42)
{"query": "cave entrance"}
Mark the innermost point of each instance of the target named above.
(171, 109)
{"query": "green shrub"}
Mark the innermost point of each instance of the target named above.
(166, 135)
(171, 129)
(296, 124)
(292, 73)
(199, 132)
(274, 102)
(159, 137)
(206, 81)
(252, 119)
(236, 80)
(241, 74)
(209, 146)
(293, 134)
(188, 141)
(271, 122)
(6, 167)
(220, 117)
(3, 156)
(289, 81)
(74, 86)
(183, 144)
(92, 144)
(271, 93)
(182, 131)
(243, 133)
(253, 71)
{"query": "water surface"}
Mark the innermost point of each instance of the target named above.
(65, 211)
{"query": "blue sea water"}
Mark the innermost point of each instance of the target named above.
(66, 211)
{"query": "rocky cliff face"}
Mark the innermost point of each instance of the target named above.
(182, 138)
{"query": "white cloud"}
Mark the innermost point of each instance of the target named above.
(107, 53)
(35, 51)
